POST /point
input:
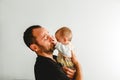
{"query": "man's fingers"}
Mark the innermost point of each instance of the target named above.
(70, 72)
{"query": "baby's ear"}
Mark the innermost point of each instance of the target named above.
(34, 47)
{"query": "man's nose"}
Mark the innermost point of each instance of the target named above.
(50, 37)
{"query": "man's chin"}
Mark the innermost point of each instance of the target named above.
(52, 49)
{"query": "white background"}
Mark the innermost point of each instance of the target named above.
(96, 35)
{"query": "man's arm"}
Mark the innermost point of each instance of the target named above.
(78, 74)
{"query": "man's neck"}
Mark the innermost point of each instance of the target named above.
(48, 55)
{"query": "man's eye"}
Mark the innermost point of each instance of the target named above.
(45, 37)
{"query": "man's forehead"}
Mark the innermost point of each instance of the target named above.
(39, 31)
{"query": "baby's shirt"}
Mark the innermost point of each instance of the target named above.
(65, 50)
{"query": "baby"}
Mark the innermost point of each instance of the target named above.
(63, 45)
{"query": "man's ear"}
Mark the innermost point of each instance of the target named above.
(34, 47)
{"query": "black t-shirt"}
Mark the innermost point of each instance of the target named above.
(47, 69)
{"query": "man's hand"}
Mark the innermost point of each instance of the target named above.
(69, 72)
(54, 41)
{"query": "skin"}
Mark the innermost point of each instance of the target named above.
(64, 40)
(44, 46)
(78, 73)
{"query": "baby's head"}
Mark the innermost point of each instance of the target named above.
(64, 35)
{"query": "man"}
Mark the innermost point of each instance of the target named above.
(39, 40)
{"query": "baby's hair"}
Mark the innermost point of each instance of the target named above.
(65, 32)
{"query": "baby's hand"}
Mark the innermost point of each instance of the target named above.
(54, 41)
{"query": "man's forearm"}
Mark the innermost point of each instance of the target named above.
(78, 74)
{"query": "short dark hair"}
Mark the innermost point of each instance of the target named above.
(28, 36)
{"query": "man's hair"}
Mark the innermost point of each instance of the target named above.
(65, 32)
(28, 35)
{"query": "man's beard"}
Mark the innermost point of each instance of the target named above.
(48, 51)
